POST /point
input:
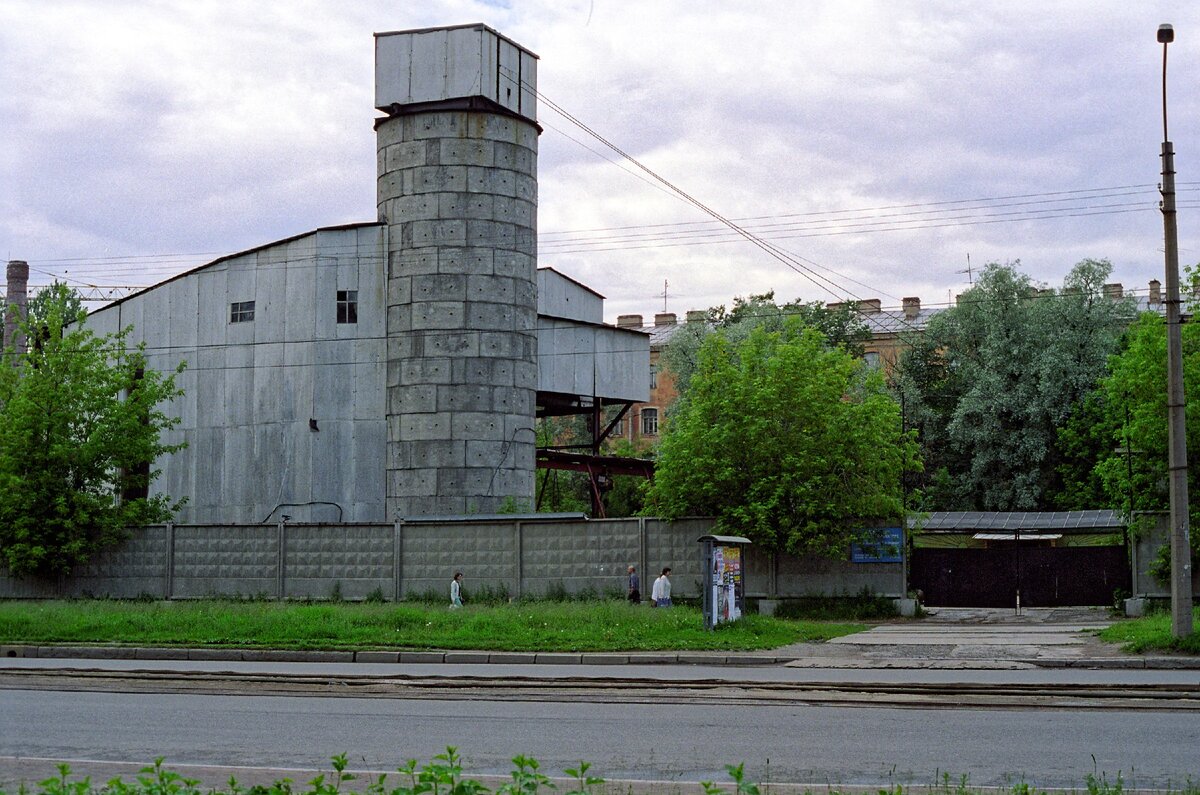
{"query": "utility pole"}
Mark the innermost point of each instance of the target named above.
(1181, 551)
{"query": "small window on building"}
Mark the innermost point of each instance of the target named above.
(649, 422)
(347, 306)
(871, 358)
(241, 312)
(653, 377)
(619, 428)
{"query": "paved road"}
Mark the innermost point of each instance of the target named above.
(786, 743)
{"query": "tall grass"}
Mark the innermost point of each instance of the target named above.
(1152, 633)
(530, 626)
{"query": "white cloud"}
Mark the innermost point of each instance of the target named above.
(176, 128)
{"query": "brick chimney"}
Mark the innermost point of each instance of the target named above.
(870, 306)
(1155, 296)
(664, 319)
(696, 316)
(1114, 291)
(629, 321)
(912, 307)
(17, 276)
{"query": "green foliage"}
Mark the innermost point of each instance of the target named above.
(526, 779)
(80, 428)
(784, 440)
(994, 379)
(865, 606)
(1084, 440)
(839, 326)
(741, 785)
(511, 504)
(1136, 394)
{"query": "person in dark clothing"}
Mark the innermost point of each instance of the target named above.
(635, 585)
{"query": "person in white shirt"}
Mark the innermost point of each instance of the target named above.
(456, 591)
(660, 596)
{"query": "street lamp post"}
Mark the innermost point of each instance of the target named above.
(1181, 553)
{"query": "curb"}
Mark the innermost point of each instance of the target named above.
(398, 656)
(575, 658)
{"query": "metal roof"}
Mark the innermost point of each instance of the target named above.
(1026, 521)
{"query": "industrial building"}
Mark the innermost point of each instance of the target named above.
(393, 368)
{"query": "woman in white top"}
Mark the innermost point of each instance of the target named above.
(660, 596)
(456, 591)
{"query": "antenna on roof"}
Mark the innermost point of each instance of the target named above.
(663, 294)
(967, 270)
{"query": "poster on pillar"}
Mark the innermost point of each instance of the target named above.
(726, 584)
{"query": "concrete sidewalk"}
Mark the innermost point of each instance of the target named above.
(948, 638)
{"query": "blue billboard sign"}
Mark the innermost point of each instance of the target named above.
(884, 545)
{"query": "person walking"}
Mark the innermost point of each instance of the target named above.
(456, 591)
(660, 596)
(635, 587)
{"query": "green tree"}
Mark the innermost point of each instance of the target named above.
(784, 439)
(80, 426)
(998, 375)
(1136, 393)
(840, 325)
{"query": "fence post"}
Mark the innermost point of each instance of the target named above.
(774, 579)
(397, 551)
(281, 544)
(169, 569)
(645, 578)
(519, 528)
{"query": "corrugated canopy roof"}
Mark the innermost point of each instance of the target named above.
(1025, 521)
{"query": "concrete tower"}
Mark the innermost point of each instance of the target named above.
(17, 276)
(458, 192)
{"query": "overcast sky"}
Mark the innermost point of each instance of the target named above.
(878, 143)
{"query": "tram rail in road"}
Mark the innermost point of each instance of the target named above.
(620, 689)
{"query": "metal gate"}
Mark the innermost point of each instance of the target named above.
(1046, 576)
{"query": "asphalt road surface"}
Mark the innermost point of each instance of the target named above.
(783, 742)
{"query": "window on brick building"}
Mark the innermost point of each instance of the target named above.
(653, 377)
(649, 422)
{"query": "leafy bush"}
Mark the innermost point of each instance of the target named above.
(865, 606)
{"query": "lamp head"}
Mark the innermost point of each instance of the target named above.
(1166, 34)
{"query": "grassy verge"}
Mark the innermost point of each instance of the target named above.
(531, 626)
(1152, 633)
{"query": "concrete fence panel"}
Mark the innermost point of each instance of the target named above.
(226, 560)
(485, 552)
(353, 560)
(525, 556)
(674, 544)
(136, 568)
(581, 556)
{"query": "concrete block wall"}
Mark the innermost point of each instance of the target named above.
(458, 192)
(526, 556)
(1145, 550)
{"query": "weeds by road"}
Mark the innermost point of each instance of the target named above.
(1152, 633)
(444, 775)
(527, 626)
